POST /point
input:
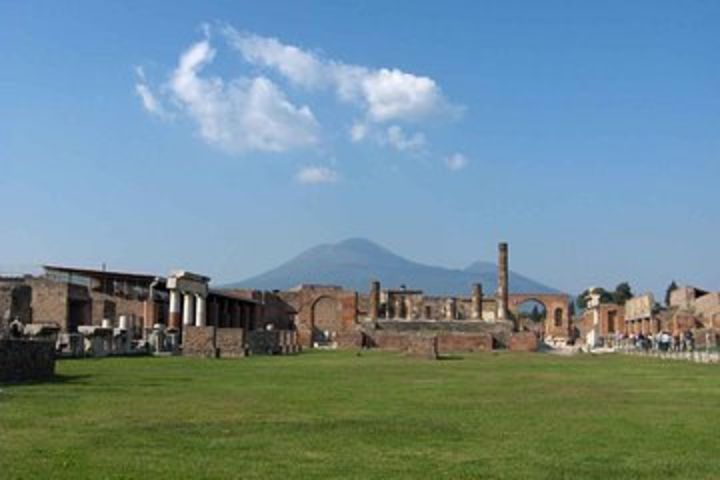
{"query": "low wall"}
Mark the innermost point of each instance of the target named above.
(210, 342)
(199, 342)
(499, 331)
(524, 342)
(464, 342)
(22, 360)
(697, 356)
(230, 342)
(426, 342)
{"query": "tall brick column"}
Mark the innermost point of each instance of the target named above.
(374, 300)
(502, 282)
(477, 298)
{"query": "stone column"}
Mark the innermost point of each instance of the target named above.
(174, 313)
(398, 306)
(374, 300)
(477, 298)
(409, 314)
(450, 309)
(502, 282)
(188, 309)
(200, 318)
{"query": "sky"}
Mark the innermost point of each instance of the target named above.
(227, 137)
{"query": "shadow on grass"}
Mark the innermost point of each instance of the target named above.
(54, 380)
(449, 357)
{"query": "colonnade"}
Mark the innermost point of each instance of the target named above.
(188, 300)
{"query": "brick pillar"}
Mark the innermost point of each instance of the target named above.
(477, 298)
(374, 300)
(502, 282)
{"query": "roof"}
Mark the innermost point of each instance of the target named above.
(232, 295)
(103, 274)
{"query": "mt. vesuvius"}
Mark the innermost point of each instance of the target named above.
(353, 263)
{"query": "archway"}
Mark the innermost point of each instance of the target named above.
(557, 317)
(326, 318)
(530, 314)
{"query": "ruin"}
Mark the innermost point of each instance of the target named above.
(100, 313)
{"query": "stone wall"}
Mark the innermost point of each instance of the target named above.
(199, 342)
(22, 360)
(230, 342)
(273, 342)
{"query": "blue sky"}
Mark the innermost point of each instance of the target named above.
(226, 137)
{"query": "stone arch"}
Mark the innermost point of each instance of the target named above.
(325, 318)
(557, 306)
(523, 320)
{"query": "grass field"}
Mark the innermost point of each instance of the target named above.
(379, 415)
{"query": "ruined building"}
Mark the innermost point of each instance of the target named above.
(119, 312)
(330, 316)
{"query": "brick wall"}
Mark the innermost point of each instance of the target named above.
(22, 360)
(524, 342)
(49, 302)
(199, 342)
(464, 342)
(112, 306)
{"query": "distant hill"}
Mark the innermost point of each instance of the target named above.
(353, 263)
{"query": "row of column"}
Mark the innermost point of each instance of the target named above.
(406, 303)
(502, 294)
(193, 309)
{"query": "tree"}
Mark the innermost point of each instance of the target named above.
(670, 288)
(605, 297)
(581, 300)
(535, 315)
(622, 293)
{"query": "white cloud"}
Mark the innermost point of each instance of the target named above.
(253, 113)
(398, 139)
(150, 102)
(314, 175)
(456, 161)
(241, 115)
(384, 94)
(396, 95)
(358, 132)
(300, 67)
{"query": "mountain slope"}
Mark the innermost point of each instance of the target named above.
(353, 263)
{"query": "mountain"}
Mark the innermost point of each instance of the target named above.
(353, 263)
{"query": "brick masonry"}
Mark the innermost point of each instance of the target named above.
(230, 342)
(464, 342)
(524, 342)
(199, 342)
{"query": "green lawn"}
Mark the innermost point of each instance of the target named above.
(379, 415)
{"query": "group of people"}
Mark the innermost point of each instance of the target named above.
(663, 341)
